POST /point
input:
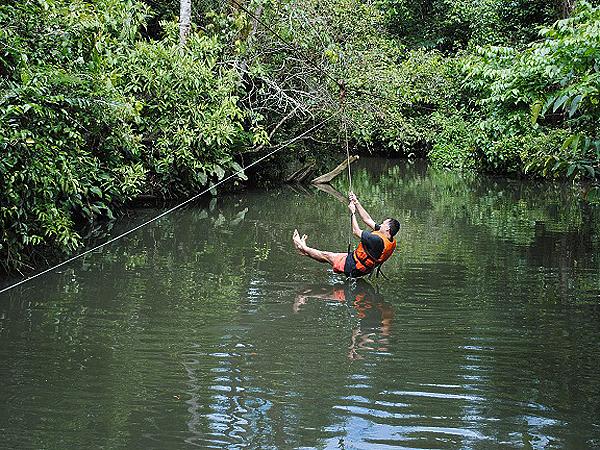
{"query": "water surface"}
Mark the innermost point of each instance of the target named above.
(207, 330)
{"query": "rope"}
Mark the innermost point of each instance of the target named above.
(342, 86)
(347, 152)
(116, 238)
(349, 180)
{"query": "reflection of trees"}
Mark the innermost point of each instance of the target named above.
(527, 223)
(508, 252)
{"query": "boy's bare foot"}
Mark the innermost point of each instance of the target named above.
(298, 243)
(303, 240)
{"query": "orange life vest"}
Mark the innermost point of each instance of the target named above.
(366, 262)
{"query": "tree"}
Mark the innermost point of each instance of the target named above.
(567, 7)
(185, 14)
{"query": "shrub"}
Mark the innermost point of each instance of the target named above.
(68, 150)
(190, 120)
(455, 142)
(91, 115)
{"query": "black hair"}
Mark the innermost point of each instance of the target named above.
(394, 226)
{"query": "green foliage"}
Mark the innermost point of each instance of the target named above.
(390, 90)
(455, 142)
(544, 154)
(399, 117)
(68, 150)
(450, 25)
(99, 103)
(535, 95)
(92, 115)
(191, 119)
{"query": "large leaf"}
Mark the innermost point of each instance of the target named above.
(572, 141)
(535, 111)
(559, 102)
(574, 104)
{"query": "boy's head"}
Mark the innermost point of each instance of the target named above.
(390, 225)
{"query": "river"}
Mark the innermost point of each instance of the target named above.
(206, 329)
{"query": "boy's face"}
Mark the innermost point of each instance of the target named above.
(385, 225)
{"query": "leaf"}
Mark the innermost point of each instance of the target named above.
(549, 102)
(219, 172)
(535, 111)
(575, 104)
(567, 142)
(559, 102)
(591, 170)
(96, 190)
(571, 141)
(575, 142)
(202, 178)
(558, 165)
(593, 196)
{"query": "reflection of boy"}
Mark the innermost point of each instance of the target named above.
(375, 316)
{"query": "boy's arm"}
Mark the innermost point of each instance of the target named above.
(356, 231)
(364, 215)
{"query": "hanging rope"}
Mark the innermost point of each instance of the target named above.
(349, 180)
(169, 211)
(345, 125)
(342, 110)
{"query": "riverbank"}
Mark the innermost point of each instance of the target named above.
(389, 172)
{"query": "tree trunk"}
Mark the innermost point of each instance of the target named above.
(235, 5)
(185, 20)
(566, 7)
(326, 178)
(327, 188)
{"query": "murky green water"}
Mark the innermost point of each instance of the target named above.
(207, 330)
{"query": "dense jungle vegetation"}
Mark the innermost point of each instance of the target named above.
(104, 101)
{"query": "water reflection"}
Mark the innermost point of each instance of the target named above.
(370, 316)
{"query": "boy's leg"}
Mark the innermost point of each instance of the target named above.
(317, 255)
